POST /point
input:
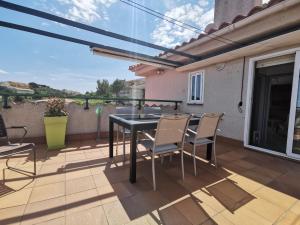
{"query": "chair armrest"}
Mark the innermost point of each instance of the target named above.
(192, 131)
(20, 127)
(149, 136)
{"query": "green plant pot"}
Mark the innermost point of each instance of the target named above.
(55, 128)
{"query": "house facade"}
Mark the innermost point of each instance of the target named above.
(248, 67)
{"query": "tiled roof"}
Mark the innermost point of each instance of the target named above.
(211, 30)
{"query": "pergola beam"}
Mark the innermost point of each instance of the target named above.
(48, 16)
(139, 57)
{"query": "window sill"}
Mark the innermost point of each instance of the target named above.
(194, 103)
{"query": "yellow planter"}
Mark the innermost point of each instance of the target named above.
(55, 128)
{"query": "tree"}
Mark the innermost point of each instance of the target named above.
(117, 86)
(103, 87)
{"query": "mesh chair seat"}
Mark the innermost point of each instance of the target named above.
(201, 141)
(14, 148)
(148, 144)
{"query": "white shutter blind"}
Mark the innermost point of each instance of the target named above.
(275, 61)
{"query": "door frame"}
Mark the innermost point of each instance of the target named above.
(250, 81)
(293, 108)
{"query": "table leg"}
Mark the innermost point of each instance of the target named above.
(132, 176)
(111, 138)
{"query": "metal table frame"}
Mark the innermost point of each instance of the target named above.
(135, 123)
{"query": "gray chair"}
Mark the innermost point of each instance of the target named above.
(169, 138)
(205, 134)
(8, 149)
(124, 131)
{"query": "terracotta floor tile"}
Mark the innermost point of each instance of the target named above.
(296, 208)
(82, 201)
(115, 213)
(77, 174)
(92, 216)
(12, 215)
(278, 198)
(74, 157)
(266, 209)
(107, 194)
(57, 221)
(100, 179)
(245, 183)
(17, 181)
(247, 188)
(17, 198)
(245, 216)
(79, 184)
(289, 218)
(171, 216)
(41, 211)
(48, 191)
(229, 194)
(220, 219)
(193, 211)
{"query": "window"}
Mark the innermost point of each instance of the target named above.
(196, 87)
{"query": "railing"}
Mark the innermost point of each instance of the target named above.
(6, 95)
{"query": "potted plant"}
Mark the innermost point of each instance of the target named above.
(55, 120)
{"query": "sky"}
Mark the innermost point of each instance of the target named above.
(26, 57)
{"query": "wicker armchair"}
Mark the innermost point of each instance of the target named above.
(8, 149)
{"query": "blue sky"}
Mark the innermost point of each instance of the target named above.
(27, 57)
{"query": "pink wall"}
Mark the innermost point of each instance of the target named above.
(170, 85)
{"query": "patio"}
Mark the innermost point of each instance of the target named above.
(82, 185)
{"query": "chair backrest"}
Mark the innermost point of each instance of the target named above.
(3, 132)
(171, 129)
(208, 125)
(126, 110)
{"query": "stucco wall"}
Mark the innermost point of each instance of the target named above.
(170, 85)
(31, 115)
(221, 94)
(80, 121)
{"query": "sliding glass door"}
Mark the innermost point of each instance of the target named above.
(273, 104)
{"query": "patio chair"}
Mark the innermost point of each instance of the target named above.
(8, 149)
(124, 131)
(169, 138)
(205, 134)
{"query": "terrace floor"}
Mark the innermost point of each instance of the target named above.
(82, 185)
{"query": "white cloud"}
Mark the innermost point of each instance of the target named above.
(2, 72)
(198, 15)
(84, 10)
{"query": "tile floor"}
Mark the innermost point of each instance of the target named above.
(82, 185)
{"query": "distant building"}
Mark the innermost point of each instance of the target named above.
(134, 89)
(15, 87)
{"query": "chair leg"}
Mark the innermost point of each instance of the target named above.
(34, 160)
(123, 144)
(153, 172)
(194, 158)
(214, 152)
(117, 147)
(182, 164)
(24, 171)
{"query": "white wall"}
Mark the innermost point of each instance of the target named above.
(221, 94)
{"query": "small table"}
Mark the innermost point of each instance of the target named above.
(135, 123)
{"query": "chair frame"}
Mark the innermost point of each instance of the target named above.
(210, 140)
(179, 148)
(15, 149)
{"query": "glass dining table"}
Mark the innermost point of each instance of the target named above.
(136, 123)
